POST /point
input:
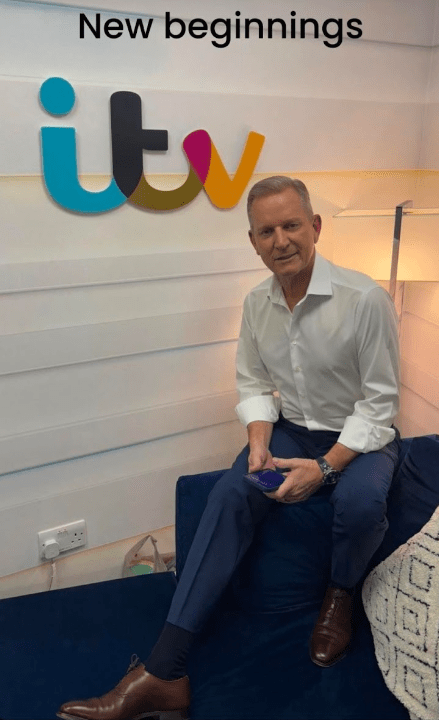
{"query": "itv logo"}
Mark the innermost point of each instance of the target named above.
(129, 139)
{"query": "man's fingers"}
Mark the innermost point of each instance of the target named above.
(281, 491)
(282, 462)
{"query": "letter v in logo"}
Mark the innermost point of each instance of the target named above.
(58, 150)
(222, 191)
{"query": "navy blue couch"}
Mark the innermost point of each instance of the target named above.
(252, 659)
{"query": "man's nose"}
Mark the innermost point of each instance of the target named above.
(280, 237)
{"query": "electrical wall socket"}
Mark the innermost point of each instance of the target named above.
(60, 539)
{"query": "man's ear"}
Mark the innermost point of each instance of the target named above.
(317, 225)
(252, 240)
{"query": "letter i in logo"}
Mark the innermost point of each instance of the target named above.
(58, 149)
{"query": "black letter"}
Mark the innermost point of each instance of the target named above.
(338, 35)
(117, 31)
(271, 22)
(168, 24)
(129, 139)
(96, 32)
(139, 24)
(225, 35)
(358, 30)
(302, 27)
(202, 31)
(248, 22)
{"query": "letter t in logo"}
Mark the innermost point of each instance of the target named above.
(129, 140)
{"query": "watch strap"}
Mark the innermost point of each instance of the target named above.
(330, 475)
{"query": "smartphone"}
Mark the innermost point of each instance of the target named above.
(266, 480)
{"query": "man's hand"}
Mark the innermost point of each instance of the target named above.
(259, 436)
(303, 479)
(260, 458)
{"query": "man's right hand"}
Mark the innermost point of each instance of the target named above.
(260, 459)
(259, 436)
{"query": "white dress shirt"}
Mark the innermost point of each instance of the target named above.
(333, 361)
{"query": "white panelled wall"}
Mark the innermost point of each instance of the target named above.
(419, 353)
(118, 331)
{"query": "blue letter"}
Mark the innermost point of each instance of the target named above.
(58, 151)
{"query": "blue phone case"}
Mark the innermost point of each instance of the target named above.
(266, 480)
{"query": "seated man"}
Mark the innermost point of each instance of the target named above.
(319, 343)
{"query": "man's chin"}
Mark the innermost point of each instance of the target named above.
(289, 269)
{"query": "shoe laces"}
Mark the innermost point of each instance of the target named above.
(135, 660)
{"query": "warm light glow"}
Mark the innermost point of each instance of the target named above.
(364, 243)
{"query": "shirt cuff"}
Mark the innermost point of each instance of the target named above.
(259, 407)
(363, 437)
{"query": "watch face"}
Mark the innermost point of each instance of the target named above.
(331, 478)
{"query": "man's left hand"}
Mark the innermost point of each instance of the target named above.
(302, 480)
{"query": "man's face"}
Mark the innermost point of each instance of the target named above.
(283, 234)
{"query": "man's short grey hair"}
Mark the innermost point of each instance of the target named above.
(277, 184)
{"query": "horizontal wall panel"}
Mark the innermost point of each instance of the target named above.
(45, 481)
(66, 307)
(420, 343)
(59, 396)
(420, 382)
(88, 343)
(27, 276)
(46, 232)
(133, 244)
(421, 299)
(58, 444)
(124, 507)
(363, 134)
(418, 416)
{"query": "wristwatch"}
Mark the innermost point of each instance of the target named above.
(330, 476)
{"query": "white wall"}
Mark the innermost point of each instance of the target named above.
(430, 141)
(118, 331)
(419, 352)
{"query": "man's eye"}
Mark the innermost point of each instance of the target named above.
(290, 226)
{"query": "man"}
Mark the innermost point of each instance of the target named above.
(324, 339)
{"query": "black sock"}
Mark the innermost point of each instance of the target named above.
(168, 656)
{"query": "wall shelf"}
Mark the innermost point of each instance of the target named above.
(388, 212)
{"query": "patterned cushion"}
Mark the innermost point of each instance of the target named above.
(401, 599)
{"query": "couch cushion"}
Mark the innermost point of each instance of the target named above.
(401, 599)
(256, 666)
(414, 494)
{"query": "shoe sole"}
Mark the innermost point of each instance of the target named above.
(154, 715)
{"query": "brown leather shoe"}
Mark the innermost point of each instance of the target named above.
(333, 629)
(138, 695)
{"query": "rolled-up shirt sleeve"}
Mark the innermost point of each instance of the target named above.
(376, 334)
(255, 387)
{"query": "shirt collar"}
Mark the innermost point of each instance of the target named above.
(320, 283)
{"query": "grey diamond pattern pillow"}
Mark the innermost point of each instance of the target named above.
(401, 600)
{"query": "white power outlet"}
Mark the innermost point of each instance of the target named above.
(60, 539)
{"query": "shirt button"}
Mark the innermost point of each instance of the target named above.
(298, 368)
(294, 342)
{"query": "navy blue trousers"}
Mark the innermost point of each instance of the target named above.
(235, 508)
